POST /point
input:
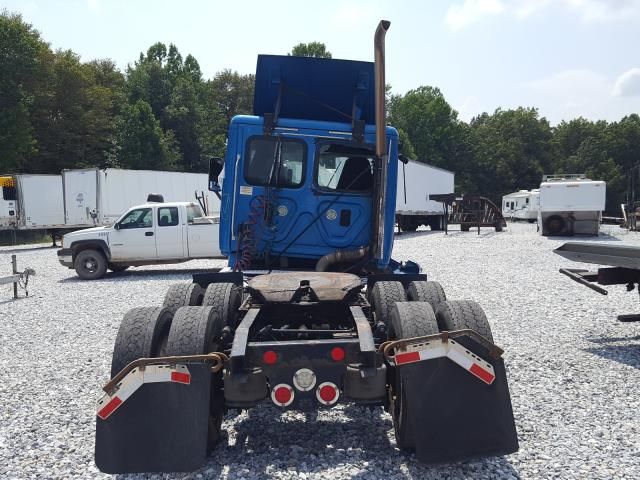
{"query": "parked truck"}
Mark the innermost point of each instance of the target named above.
(149, 234)
(91, 197)
(416, 181)
(312, 310)
(571, 205)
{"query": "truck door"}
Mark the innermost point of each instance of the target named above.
(169, 239)
(134, 237)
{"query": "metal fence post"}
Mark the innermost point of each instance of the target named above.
(14, 268)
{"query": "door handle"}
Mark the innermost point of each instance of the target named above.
(148, 234)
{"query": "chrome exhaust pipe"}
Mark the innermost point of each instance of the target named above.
(380, 168)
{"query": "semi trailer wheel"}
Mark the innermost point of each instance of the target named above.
(426, 291)
(225, 298)
(183, 295)
(142, 334)
(195, 331)
(90, 264)
(408, 319)
(463, 314)
(384, 295)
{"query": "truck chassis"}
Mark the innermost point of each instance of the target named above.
(304, 341)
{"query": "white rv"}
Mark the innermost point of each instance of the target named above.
(521, 205)
(416, 181)
(571, 204)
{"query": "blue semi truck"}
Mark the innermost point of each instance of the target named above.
(312, 310)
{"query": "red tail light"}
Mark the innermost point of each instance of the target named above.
(282, 395)
(327, 393)
(337, 354)
(269, 357)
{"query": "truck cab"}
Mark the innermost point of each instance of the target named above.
(147, 234)
(300, 181)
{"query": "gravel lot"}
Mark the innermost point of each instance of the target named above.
(574, 371)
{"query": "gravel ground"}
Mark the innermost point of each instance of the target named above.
(574, 371)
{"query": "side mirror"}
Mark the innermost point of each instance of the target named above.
(116, 226)
(403, 158)
(216, 165)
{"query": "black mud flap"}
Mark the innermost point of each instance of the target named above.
(162, 427)
(453, 415)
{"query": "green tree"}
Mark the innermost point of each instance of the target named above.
(312, 49)
(142, 143)
(23, 58)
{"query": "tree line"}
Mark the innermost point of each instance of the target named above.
(58, 112)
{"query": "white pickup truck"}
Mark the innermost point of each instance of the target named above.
(147, 234)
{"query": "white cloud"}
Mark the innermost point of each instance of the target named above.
(459, 16)
(578, 93)
(628, 84)
(470, 11)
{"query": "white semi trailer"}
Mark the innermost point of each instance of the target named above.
(416, 181)
(91, 197)
(521, 205)
(571, 205)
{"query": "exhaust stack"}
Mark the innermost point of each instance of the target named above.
(380, 168)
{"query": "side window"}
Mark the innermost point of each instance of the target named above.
(345, 172)
(275, 161)
(138, 218)
(193, 212)
(526, 201)
(167, 216)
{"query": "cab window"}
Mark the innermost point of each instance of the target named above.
(138, 218)
(193, 211)
(275, 161)
(343, 169)
(167, 216)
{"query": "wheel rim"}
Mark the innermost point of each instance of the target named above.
(91, 265)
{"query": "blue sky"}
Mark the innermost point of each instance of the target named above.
(568, 58)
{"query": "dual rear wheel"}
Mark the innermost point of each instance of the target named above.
(420, 310)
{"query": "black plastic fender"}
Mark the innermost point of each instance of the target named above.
(455, 416)
(162, 427)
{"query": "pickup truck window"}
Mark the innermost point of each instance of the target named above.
(167, 216)
(193, 212)
(261, 168)
(138, 218)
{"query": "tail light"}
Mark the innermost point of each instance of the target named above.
(327, 393)
(282, 395)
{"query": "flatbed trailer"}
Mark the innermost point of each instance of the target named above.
(623, 267)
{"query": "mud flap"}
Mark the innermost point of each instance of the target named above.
(455, 416)
(162, 427)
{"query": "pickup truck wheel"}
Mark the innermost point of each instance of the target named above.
(225, 298)
(423, 291)
(384, 295)
(408, 319)
(142, 334)
(463, 314)
(183, 295)
(195, 331)
(90, 264)
(117, 268)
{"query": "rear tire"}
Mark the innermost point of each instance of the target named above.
(423, 291)
(408, 319)
(463, 314)
(142, 334)
(183, 295)
(195, 331)
(90, 264)
(225, 298)
(384, 295)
